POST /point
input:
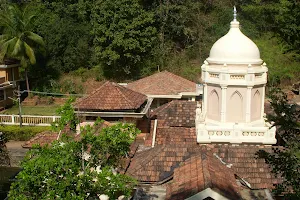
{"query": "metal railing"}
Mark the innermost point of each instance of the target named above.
(29, 120)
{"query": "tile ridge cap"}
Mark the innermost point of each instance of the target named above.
(206, 171)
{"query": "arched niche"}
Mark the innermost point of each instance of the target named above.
(256, 106)
(214, 105)
(235, 109)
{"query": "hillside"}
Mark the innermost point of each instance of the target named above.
(123, 40)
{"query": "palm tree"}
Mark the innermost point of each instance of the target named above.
(17, 39)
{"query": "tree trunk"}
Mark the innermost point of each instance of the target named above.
(27, 83)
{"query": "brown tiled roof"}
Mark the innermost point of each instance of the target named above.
(42, 139)
(199, 173)
(162, 83)
(158, 163)
(111, 96)
(176, 135)
(176, 113)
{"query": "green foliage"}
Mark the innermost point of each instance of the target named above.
(279, 16)
(17, 39)
(82, 169)
(126, 40)
(285, 162)
(123, 34)
(113, 143)
(68, 116)
(66, 33)
(21, 133)
(283, 68)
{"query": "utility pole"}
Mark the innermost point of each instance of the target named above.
(19, 103)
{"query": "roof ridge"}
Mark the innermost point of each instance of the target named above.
(92, 93)
(206, 171)
(154, 151)
(125, 97)
(183, 79)
(165, 107)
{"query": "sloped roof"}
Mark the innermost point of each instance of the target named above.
(46, 137)
(162, 83)
(176, 113)
(202, 172)
(111, 96)
(158, 164)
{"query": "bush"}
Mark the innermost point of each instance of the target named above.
(22, 133)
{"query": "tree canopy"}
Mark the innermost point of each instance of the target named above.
(85, 166)
(17, 39)
(285, 162)
(126, 40)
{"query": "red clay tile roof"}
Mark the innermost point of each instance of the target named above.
(162, 83)
(201, 172)
(111, 96)
(158, 163)
(177, 113)
(42, 139)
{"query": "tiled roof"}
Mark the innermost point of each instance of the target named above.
(201, 172)
(175, 135)
(177, 113)
(158, 163)
(42, 139)
(162, 83)
(175, 123)
(111, 96)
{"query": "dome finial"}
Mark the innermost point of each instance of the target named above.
(234, 14)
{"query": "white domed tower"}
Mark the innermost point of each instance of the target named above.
(234, 79)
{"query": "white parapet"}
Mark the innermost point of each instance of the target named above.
(237, 133)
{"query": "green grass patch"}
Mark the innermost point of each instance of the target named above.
(44, 110)
(24, 133)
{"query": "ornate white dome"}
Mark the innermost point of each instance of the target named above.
(234, 48)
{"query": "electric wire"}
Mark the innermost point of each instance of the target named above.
(51, 93)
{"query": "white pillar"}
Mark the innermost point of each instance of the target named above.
(204, 104)
(223, 104)
(263, 102)
(248, 104)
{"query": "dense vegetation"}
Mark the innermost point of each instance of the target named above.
(21, 133)
(126, 40)
(285, 161)
(87, 167)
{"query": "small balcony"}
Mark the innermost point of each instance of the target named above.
(236, 134)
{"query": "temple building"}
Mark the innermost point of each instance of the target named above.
(192, 148)
(234, 78)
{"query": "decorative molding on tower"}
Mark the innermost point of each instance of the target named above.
(234, 66)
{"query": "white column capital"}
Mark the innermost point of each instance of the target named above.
(224, 86)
